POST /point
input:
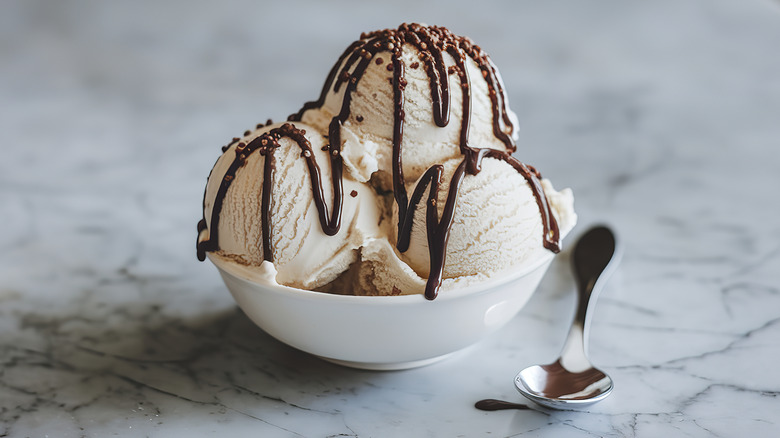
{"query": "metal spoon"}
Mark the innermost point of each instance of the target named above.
(571, 380)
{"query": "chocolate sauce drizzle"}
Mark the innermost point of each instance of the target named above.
(431, 42)
(266, 145)
(491, 404)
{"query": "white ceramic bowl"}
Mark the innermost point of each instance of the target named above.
(382, 333)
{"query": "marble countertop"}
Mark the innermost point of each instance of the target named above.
(663, 117)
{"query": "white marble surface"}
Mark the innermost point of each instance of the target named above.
(663, 116)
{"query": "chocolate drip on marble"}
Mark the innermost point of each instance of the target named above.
(266, 144)
(491, 404)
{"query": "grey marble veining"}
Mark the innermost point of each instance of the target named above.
(662, 116)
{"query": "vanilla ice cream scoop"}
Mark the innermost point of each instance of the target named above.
(275, 196)
(410, 88)
(496, 220)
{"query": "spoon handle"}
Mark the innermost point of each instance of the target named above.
(594, 258)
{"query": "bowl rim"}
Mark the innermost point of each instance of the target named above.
(483, 287)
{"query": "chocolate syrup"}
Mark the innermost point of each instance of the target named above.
(266, 144)
(491, 404)
(431, 42)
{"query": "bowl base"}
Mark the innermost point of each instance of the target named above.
(387, 366)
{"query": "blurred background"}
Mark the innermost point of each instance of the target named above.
(112, 114)
(124, 105)
(663, 117)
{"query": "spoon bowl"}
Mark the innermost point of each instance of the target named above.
(571, 380)
(554, 386)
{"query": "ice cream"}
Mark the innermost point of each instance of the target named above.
(495, 223)
(268, 198)
(399, 179)
(407, 86)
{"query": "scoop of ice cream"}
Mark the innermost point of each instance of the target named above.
(497, 222)
(270, 196)
(412, 85)
(316, 198)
